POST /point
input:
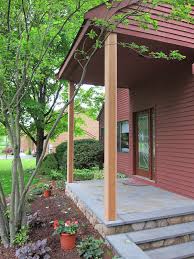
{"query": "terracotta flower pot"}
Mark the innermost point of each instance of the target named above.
(67, 241)
(47, 193)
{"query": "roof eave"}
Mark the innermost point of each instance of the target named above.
(74, 46)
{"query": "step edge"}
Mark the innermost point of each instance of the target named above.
(133, 250)
(171, 214)
(172, 247)
(162, 237)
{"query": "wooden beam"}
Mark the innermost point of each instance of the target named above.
(70, 145)
(110, 164)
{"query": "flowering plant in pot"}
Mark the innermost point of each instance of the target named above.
(67, 231)
(47, 190)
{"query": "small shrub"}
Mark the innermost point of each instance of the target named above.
(35, 221)
(38, 250)
(91, 248)
(29, 170)
(47, 187)
(38, 189)
(48, 164)
(60, 185)
(31, 197)
(88, 153)
(83, 175)
(98, 174)
(22, 236)
(56, 175)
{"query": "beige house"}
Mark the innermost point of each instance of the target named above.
(90, 128)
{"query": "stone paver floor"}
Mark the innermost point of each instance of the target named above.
(132, 200)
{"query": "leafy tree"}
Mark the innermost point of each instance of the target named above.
(39, 106)
(30, 33)
(40, 111)
(2, 130)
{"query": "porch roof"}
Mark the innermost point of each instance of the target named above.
(171, 35)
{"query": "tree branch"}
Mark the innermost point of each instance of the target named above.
(8, 15)
(54, 101)
(27, 132)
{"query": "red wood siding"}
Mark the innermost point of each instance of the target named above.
(175, 32)
(123, 113)
(173, 100)
(123, 159)
(175, 140)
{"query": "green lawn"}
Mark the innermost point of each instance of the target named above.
(5, 172)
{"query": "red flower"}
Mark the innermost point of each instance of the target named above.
(56, 224)
(68, 222)
(76, 222)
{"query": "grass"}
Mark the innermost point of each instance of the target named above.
(5, 172)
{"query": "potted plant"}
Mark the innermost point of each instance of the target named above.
(67, 231)
(47, 190)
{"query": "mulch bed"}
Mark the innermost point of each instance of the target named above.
(58, 206)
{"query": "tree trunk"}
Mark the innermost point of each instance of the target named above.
(12, 226)
(3, 227)
(40, 143)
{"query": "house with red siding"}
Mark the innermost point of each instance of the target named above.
(155, 97)
(147, 125)
(155, 141)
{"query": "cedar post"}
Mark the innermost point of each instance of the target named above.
(70, 144)
(110, 156)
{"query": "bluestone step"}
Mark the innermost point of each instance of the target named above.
(125, 248)
(181, 251)
(156, 234)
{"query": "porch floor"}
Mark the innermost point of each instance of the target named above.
(135, 202)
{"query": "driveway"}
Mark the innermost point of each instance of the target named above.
(22, 155)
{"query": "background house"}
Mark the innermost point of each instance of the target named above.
(90, 131)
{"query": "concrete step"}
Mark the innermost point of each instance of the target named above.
(173, 252)
(164, 236)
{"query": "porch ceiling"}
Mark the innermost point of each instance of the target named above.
(132, 68)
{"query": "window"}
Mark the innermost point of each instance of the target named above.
(123, 136)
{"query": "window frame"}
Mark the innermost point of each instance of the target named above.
(119, 136)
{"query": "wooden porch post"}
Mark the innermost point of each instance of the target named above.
(70, 144)
(110, 164)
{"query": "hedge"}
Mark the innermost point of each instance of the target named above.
(88, 153)
(49, 163)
